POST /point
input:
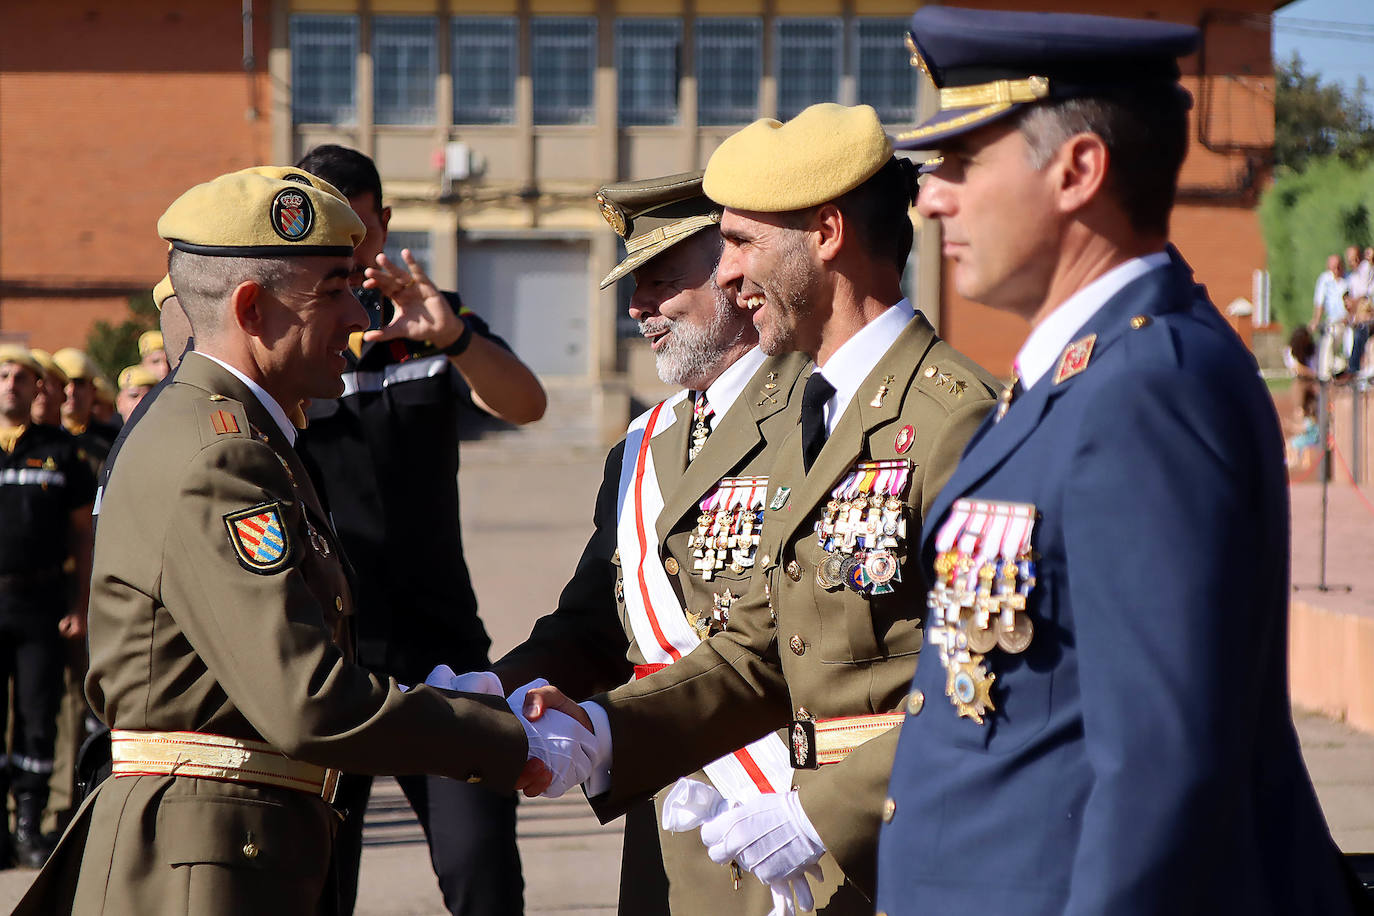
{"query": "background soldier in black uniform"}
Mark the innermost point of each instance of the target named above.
(46, 488)
(95, 437)
(387, 455)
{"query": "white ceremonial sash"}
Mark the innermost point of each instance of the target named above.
(656, 614)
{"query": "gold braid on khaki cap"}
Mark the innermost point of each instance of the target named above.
(822, 153)
(654, 214)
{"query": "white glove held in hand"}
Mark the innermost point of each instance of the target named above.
(557, 740)
(689, 804)
(472, 682)
(770, 836)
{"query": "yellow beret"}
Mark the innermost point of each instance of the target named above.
(246, 215)
(49, 364)
(104, 391)
(14, 353)
(291, 173)
(135, 376)
(820, 154)
(149, 341)
(162, 292)
(76, 364)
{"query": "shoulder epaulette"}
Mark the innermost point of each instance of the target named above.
(218, 417)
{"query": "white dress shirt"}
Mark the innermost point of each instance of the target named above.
(723, 392)
(848, 366)
(288, 429)
(1047, 341)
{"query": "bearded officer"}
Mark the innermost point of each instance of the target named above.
(817, 234)
(692, 470)
(1107, 726)
(220, 645)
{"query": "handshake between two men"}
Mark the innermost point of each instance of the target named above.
(769, 836)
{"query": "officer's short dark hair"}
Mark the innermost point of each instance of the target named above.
(350, 171)
(878, 212)
(1146, 137)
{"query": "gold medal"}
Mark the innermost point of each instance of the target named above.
(828, 572)
(1017, 638)
(969, 687)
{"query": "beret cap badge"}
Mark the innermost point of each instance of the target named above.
(292, 214)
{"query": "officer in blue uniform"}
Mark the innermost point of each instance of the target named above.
(1107, 726)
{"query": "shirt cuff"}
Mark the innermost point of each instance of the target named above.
(600, 780)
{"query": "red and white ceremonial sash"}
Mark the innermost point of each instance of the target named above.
(656, 614)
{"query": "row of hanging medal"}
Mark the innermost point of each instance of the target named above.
(863, 529)
(727, 531)
(984, 573)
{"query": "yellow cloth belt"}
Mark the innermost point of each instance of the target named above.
(137, 753)
(837, 738)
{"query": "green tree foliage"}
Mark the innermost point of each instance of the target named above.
(115, 346)
(1313, 120)
(1307, 216)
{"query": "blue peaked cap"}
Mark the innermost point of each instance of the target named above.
(988, 64)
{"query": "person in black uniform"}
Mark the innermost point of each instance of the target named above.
(77, 411)
(46, 488)
(387, 455)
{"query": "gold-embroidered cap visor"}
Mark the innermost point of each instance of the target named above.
(772, 167)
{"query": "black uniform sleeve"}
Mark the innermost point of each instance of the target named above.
(80, 479)
(581, 646)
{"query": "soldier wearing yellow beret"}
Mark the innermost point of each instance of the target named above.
(46, 488)
(152, 353)
(52, 390)
(221, 644)
(79, 409)
(134, 384)
(817, 234)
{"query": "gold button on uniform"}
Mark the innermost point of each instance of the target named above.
(338, 602)
(737, 568)
(795, 643)
(250, 850)
(670, 565)
(931, 372)
(916, 702)
(889, 811)
(794, 571)
(1140, 321)
(474, 779)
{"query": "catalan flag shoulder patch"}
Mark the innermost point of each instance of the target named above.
(260, 538)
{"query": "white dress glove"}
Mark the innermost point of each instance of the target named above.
(472, 682)
(792, 894)
(770, 836)
(691, 803)
(558, 741)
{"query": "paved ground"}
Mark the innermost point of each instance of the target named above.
(526, 516)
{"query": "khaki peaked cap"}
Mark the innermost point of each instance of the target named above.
(825, 151)
(654, 214)
(249, 214)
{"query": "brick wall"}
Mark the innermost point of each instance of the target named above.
(110, 111)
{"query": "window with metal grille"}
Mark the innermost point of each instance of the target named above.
(417, 242)
(484, 64)
(563, 58)
(886, 79)
(729, 59)
(405, 62)
(647, 52)
(808, 53)
(324, 53)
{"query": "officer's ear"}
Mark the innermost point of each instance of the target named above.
(246, 307)
(1080, 171)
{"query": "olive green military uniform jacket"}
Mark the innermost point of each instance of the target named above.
(796, 649)
(568, 647)
(188, 632)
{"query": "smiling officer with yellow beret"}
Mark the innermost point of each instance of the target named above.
(221, 650)
(817, 234)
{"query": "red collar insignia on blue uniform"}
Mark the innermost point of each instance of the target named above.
(1075, 358)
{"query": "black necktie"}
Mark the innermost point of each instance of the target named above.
(814, 397)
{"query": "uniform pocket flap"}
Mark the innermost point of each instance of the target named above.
(242, 832)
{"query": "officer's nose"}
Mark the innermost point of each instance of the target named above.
(730, 270)
(357, 315)
(643, 305)
(935, 197)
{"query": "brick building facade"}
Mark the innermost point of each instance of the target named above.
(108, 111)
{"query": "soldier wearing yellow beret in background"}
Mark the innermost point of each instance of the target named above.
(220, 636)
(52, 390)
(152, 353)
(46, 487)
(817, 234)
(134, 384)
(78, 410)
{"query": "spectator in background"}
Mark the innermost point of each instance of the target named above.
(1328, 298)
(78, 411)
(103, 407)
(1361, 311)
(1305, 442)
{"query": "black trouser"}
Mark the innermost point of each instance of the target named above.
(471, 836)
(31, 658)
